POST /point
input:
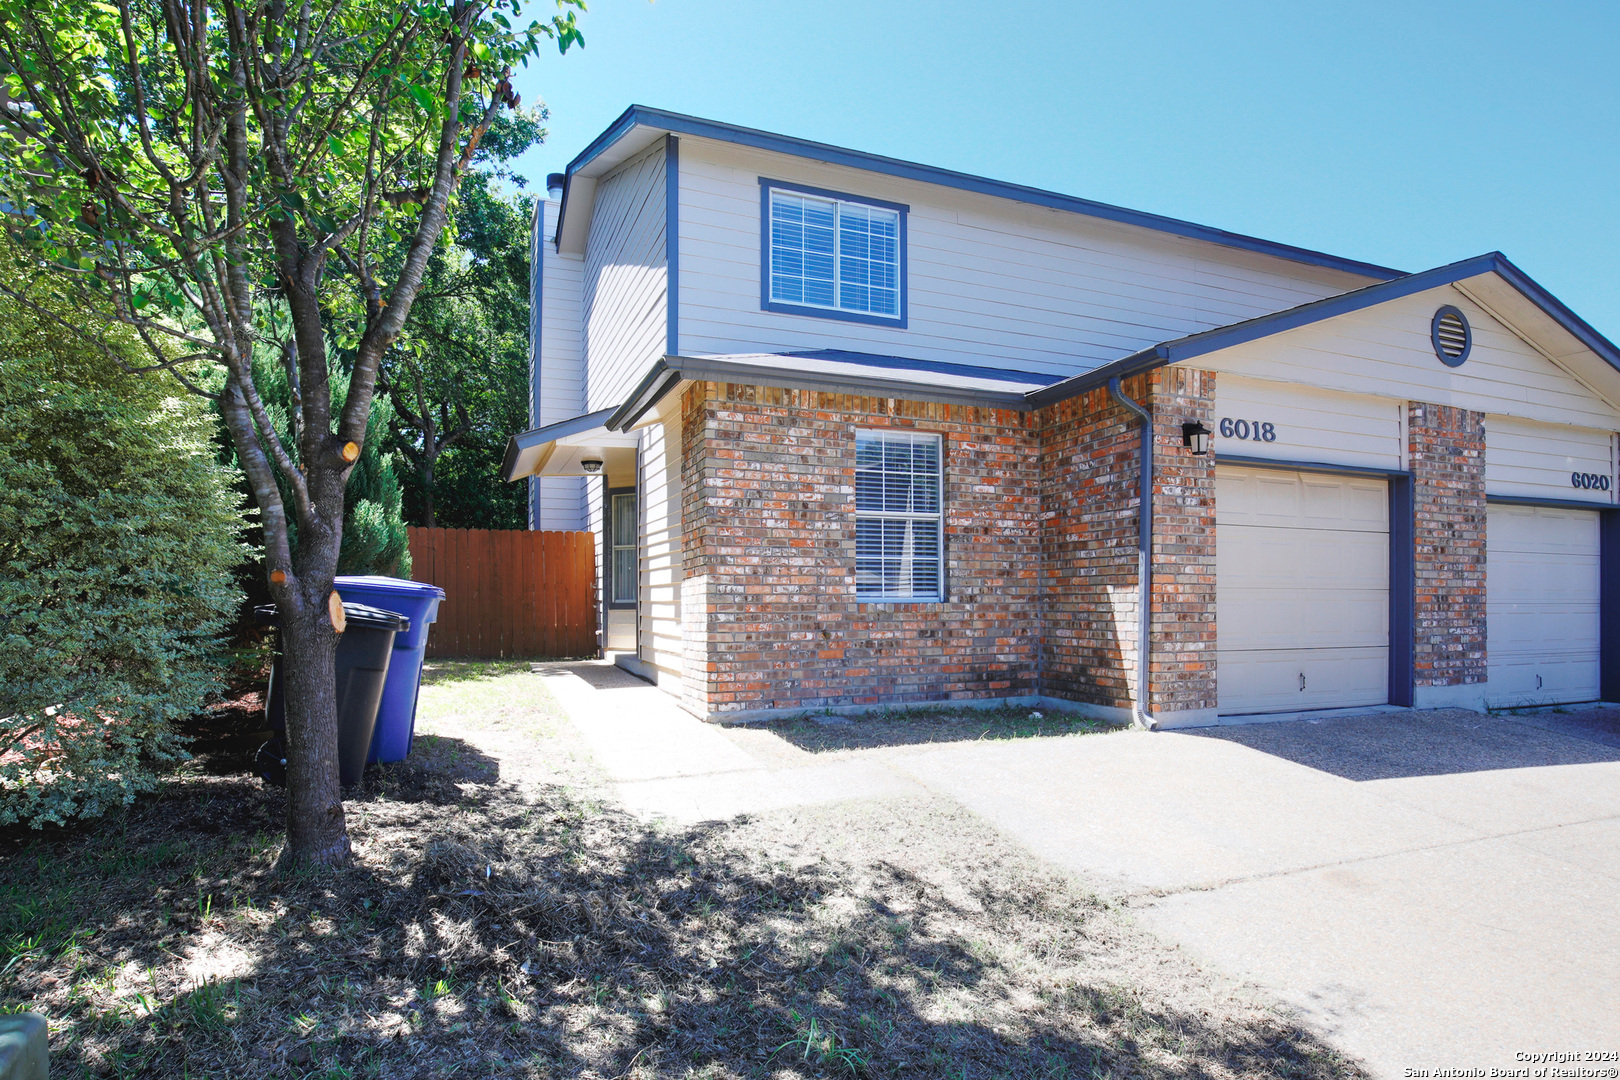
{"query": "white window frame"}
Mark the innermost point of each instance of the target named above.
(633, 579)
(937, 517)
(768, 300)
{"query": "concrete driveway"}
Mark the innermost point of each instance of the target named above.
(1435, 890)
(1432, 890)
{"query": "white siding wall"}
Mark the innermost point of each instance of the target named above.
(591, 512)
(1386, 350)
(990, 281)
(1526, 458)
(1311, 424)
(556, 373)
(537, 220)
(625, 280)
(660, 629)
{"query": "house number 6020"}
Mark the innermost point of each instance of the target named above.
(1589, 481)
(1253, 430)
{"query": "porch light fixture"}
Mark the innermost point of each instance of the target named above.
(592, 466)
(1195, 437)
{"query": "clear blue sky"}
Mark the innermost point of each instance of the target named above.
(1406, 134)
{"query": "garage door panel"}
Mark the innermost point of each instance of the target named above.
(1535, 529)
(1302, 590)
(1293, 500)
(1274, 621)
(1550, 579)
(1543, 574)
(1258, 557)
(1520, 681)
(1270, 681)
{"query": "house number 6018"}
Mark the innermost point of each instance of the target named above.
(1253, 430)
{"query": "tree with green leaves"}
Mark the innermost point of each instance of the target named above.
(458, 377)
(185, 167)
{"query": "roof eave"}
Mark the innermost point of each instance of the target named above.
(527, 440)
(666, 373)
(682, 124)
(1226, 337)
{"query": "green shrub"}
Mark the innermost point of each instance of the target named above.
(374, 538)
(117, 540)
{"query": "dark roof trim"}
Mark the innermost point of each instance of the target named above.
(1225, 337)
(835, 155)
(669, 371)
(1308, 466)
(906, 363)
(535, 436)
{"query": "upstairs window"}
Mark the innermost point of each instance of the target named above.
(833, 257)
(898, 518)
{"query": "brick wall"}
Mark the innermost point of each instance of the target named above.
(771, 615)
(1183, 661)
(1089, 492)
(1447, 452)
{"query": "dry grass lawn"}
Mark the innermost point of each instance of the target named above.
(830, 732)
(505, 918)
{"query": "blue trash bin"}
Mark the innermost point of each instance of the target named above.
(418, 602)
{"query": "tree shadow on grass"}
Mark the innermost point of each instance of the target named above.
(548, 935)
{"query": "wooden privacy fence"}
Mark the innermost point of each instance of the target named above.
(509, 592)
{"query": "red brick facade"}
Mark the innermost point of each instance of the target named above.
(768, 478)
(770, 614)
(1447, 452)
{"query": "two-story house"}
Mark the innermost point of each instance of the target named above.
(853, 431)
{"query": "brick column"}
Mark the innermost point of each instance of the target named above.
(1446, 447)
(1089, 492)
(1183, 658)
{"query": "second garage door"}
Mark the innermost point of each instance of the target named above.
(1302, 590)
(1541, 605)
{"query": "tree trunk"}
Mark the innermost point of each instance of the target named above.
(427, 492)
(317, 834)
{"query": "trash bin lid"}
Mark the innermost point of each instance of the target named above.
(379, 583)
(375, 618)
(371, 618)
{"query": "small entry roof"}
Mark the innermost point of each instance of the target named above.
(559, 449)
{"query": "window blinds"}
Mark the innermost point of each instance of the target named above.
(898, 515)
(833, 254)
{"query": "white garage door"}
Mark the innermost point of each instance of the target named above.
(1302, 590)
(1541, 605)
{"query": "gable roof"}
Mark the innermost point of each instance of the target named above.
(1561, 333)
(639, 126)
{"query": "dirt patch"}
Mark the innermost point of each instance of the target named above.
(830, 732)
(505, 918)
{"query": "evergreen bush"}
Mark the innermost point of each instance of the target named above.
(374, 538)
(117, 542)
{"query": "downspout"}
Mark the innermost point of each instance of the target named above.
(1144, 556)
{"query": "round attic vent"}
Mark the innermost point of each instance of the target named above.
(1451, 335)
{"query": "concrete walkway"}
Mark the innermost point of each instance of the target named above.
(668, 763)
(1431, 890)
